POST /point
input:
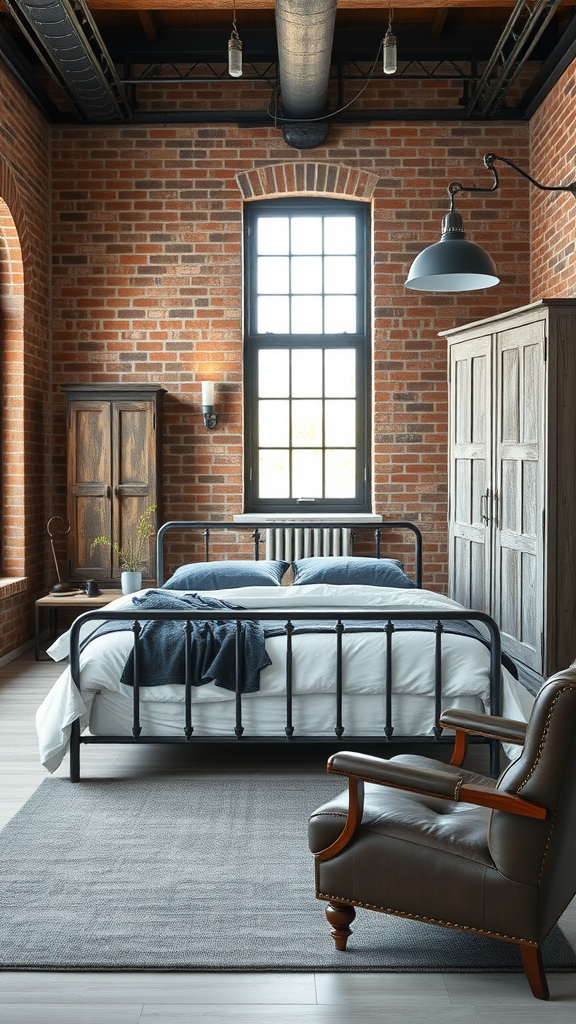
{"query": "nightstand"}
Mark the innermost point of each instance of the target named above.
(78, 600)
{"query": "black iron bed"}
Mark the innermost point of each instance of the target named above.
(339, 620)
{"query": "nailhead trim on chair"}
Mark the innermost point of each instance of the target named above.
(425, 920)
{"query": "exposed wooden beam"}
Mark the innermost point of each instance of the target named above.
(438, 22)
(149, 25)
(265, 5)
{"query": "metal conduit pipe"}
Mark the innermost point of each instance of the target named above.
(65, 38)
(305, 30)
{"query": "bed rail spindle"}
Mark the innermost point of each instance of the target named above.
(188, 728)
(207, 545)
(438, 630)
(378, 536)
(238, 728)
(136, 727)
(388, 727)
(289, 729)
(339, 730)
(256, 538)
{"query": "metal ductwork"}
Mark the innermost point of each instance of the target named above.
(66, 39)
(305, 30)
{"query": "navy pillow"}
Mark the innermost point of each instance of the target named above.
(226, 575)
(341, 569)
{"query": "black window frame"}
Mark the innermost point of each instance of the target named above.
(361, 342)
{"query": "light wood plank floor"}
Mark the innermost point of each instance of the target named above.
(214, 998)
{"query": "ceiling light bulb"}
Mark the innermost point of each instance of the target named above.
(235, 55)
(389, 53)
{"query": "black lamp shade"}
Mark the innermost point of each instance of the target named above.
(453, 264)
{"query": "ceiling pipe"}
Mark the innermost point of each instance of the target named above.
(305, 31)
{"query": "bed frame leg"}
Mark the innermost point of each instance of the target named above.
(75, 751)
(494, 757)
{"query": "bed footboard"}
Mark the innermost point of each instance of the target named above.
(338, 621)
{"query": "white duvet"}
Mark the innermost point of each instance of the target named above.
(465, 664)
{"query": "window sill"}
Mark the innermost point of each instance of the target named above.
(307, 517)
(10, 585)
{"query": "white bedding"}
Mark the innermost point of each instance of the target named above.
(104, 704)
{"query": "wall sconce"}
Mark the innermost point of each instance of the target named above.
(210, 417)
(454, 264)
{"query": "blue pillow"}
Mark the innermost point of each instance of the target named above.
(226, 575)
(341, 569)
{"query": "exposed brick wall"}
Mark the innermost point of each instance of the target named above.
(26, 405)
(146, 285)
(553, 151)
(147, 261)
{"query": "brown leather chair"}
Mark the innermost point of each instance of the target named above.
(433, 842)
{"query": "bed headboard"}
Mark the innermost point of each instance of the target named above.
(324, 530)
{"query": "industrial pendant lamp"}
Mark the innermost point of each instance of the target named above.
(234, 49)
(455, 264)
(389, 49)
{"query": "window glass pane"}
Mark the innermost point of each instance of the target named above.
(339, 234)
(339, 275)
(273, 275)
(306, 235)
(340, 419)
(273, 372)
(340, 373)
(307, 373)
(307, 314)
(274, 476)
(306, 423)
(340, 314)
(307, 275)
(340, 473)
(273, 235)
(274, 423)
(306, 474)
(273, 314)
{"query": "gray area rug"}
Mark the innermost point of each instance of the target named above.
(198, 874)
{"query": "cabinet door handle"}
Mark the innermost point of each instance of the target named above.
(495, 509)
(484, 517)
(108, 492)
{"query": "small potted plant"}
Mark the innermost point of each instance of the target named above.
(134, 555)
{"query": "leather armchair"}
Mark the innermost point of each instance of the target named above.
(434, 842)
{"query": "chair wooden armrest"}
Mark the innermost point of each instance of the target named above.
(361, 768)
(472, 723)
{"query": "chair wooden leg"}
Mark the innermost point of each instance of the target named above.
(534, 968)
(340, 916)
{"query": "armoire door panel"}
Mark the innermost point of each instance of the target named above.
(469, 467)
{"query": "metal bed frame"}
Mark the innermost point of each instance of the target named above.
(209, 528)
(339, 618)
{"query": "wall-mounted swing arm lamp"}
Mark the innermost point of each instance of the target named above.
(455, 264)
(210, 417)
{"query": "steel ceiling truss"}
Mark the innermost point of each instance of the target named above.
(523, 30)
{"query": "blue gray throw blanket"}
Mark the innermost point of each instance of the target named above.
(212, 646)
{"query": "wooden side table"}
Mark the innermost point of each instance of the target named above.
(78, 600)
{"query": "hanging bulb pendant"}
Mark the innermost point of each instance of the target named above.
(389, 53)
(235, 55)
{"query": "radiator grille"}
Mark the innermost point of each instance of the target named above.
(291, 544)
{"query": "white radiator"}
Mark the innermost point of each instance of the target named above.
(291, 543)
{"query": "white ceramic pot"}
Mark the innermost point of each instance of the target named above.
(131, 582)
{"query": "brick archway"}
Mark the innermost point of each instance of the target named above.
(12, 267)
(334, 181)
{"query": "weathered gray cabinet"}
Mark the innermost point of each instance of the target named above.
(512, 477)
(114, 472)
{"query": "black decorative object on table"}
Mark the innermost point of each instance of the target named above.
(61, 587)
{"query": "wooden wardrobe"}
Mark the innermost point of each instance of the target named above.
(512, 477)
(114, 441)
